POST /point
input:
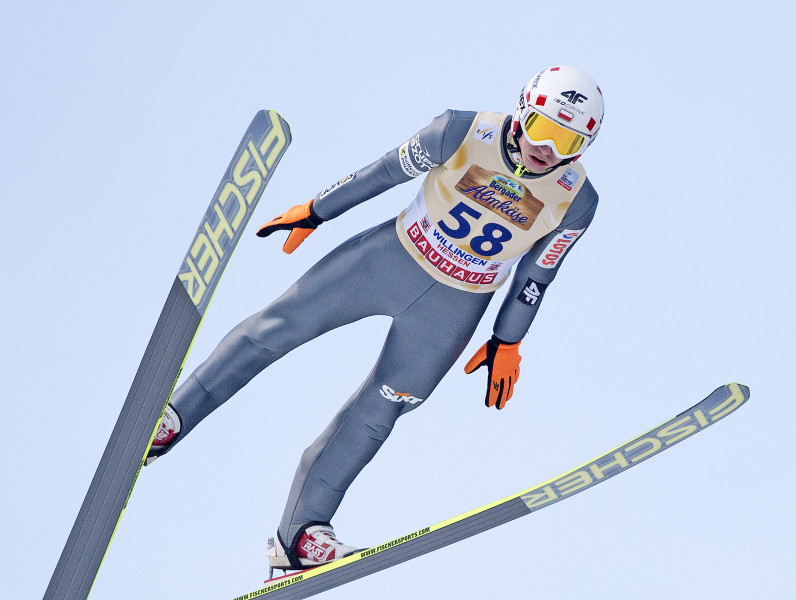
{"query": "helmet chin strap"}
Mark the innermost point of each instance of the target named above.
(513, 150)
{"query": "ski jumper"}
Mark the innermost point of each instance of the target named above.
(433, 269)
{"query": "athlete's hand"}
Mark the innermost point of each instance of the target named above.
(300, 220)
(503, 363)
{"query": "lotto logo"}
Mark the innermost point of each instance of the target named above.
(552, 254)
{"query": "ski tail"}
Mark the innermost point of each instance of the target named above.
(722, 402)
(258, 154)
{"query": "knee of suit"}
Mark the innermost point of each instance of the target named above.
(277, 334)
(377, 431)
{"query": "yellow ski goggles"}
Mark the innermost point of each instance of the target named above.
(540, 129)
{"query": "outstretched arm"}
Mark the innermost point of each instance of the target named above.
(428, 148)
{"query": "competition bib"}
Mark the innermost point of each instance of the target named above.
(473, 218)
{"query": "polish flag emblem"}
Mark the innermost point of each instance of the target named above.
(565, 114)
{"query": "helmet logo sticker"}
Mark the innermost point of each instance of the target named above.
(574, 96)
(565, 114)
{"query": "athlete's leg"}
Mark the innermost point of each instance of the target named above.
(339, 289)
(423, 343)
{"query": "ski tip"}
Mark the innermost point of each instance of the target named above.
(725, 400)
(274, 117)
(739, 388)
(721, 402)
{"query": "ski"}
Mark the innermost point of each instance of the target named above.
(303, 584)
(224, 221)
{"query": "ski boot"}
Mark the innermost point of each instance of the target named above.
(167, 432)
(316, 546)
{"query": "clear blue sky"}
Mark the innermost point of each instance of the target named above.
(117, 122)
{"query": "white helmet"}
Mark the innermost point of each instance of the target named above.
(561, 107)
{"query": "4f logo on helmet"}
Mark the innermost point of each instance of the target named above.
(574, 96)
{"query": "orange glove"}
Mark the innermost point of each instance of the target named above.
(503, 362)
(300, 220)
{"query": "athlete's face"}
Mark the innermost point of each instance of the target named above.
(537, 159)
